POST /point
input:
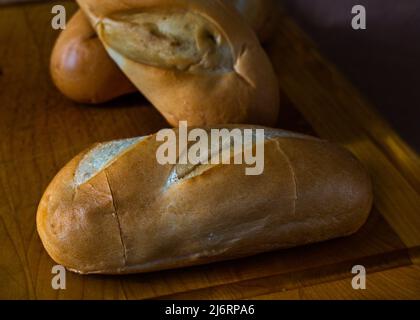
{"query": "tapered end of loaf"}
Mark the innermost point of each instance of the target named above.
(331, 185)
(76, 220)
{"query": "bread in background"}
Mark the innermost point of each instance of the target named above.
(193, 60)
(81, 68)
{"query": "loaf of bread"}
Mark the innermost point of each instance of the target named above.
(81, 68)
(114, 209)
(195, 60)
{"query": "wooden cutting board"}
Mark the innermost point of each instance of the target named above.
(41, 130)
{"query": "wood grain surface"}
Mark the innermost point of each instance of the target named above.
(41, 130)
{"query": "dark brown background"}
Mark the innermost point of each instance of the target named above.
(383, 61)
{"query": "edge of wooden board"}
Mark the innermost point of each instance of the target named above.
(338, 112)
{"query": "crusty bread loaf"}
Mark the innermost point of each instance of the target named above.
(81, 68)
(195, 60)
(113, 209)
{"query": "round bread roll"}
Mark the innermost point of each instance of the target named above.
(194, 60)
(114, 209)
(81, 68)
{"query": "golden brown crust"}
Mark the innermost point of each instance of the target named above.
(82, 70)
(71, 222)
(80, 67)
(245, 92)
(131, 216)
